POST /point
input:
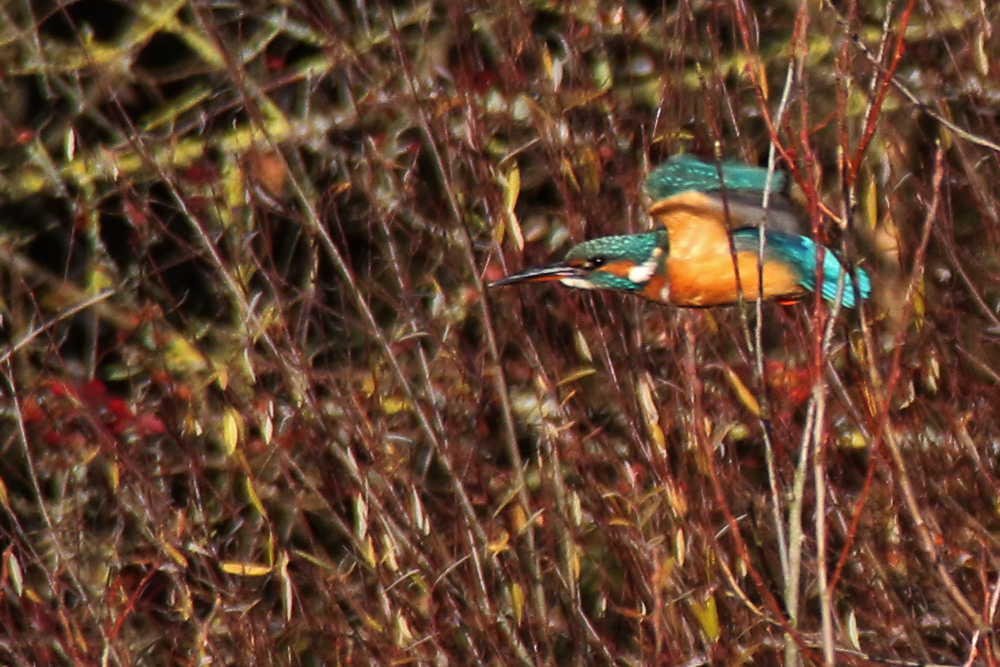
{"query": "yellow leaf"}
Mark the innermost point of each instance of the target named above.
(180, 355)
(602, 74)
(871, 201)
(577, 375)
(547, 62)
(222, 378)
(982, 60)
(518, 519)
(389, 549)
(368, 553)
(245, 569)
(183, 607)
(517, 602)
(498, 233)
(514, 227)
(744, 395)
(14, 572)
(98, 279)
(761, 76)
(393, 405)
(114, 476)
(946, 137)
(707, 614)
(286, 584)
(851, 626)
(231, 427)
(403, 634)
(175, 554)
(510, 181)
(253, 497)
(582, 348)
(500, 545)
(511, 187)
(267, 429)
(644, 392)
(574, 563)
(651, 416)
(368, 384)
(655, 434)
(360, 516)
(567, 171)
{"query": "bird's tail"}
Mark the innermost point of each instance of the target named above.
(799, 252)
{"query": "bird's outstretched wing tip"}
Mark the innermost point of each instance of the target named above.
(689, 172)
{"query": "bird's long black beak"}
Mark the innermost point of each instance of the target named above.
(539, 274)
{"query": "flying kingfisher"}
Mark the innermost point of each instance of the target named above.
(687, 260)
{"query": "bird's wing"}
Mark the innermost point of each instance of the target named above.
(697, 222)
(695, 225)
(741, 198)
(681, 173)
(745, 211)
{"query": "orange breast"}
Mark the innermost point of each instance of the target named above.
(710, 280)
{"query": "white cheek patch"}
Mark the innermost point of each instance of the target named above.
(641, 273)
(579, 283)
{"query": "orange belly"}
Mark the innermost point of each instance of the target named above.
(711, 280)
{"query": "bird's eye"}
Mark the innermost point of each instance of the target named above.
(598, 261)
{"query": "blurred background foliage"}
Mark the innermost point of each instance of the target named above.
(258, 407)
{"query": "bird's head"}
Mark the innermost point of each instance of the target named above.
(624, 263)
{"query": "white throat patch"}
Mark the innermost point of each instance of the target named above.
(579, 283)
(641, 273)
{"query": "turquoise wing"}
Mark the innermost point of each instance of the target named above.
(686, 172)
(799, 252)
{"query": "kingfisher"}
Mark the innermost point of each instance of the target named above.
(706, 231)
